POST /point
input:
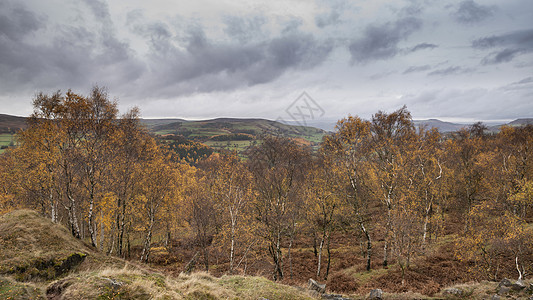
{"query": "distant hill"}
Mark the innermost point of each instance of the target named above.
(11, 124)
(515, 123)
(521, 122)
(234, 125)
(450, 127)
(442, 126)
(151, 123)
(204, 129)
(233, 133)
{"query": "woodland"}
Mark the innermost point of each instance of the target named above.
(407, 206)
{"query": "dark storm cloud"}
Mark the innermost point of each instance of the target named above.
(74, 57)
(16, 21)
(199, 64)
(381, 41)
(18, 62)
(414, 69)
(513, 44)
(470, 12)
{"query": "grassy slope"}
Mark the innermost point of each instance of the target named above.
(36, 261)
(203, 130)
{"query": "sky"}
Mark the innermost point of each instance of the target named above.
(457, 61)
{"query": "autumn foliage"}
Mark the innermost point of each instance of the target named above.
(382, 190)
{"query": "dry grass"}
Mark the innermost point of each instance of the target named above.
(122, 283)
(135, 284)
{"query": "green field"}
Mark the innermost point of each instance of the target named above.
(230, 145)
(208, 132)
(6, 139)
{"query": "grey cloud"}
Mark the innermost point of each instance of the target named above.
(525, 84)
(152, 31)
(414, 69)
(331, 18)
(470, 12)
(423, 46)
(198, 64)
(381, 42)
(292, 25)
(244, 29)
(524, 81)
(99, 9)
(76, 56)
(513, 44)
(521, 39)
(18, 61)
(506, 55)
(16, 21)
(450, 71)
(381, 75)
(414, 8)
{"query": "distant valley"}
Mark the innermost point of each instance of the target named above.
(238, 134)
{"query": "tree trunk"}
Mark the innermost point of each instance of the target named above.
(91, 222)
(53, 207)
(73, 220)
(275, 252)
(389, 230)
(232, 249)
(319, 257)
(148, 240)
(102, 231)
(425, 227)
(121, 227)
(290, 257)
(329, 256)
(368, 245)
(314, 244)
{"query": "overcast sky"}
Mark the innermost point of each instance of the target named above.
(453, 60)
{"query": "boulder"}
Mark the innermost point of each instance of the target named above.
(505, 282)
(453, 292)
(375, 294)
(317, 287)
(518, 285)
(334, 297)
(503, 290)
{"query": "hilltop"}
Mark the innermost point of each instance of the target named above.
(41, 260)
(232, 129)
(11, 124)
